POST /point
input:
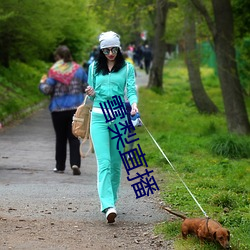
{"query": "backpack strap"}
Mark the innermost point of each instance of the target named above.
(127, 74)
(92, 73)
(87, 137)
(126, 83)
(84, 140)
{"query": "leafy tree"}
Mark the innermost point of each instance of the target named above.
(221, 28)
(24, 32)
(201, 99)
(242, 34)
(175, 24)
(241, 18)
(126, 17)
(156, 72)
(28, 33)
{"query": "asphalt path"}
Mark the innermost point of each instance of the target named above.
(29, 188)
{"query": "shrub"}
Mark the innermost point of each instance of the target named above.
(231, 146)
(223, 200)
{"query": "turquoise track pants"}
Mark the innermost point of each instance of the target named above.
(108, 158)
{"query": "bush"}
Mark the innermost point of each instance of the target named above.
(19, 88)
(231, 146)
(223, 200)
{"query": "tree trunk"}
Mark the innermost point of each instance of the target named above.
(159, 47)
(201, 99)
(223, 38)
(235, 109)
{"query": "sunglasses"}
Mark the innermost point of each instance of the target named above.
(106, 51)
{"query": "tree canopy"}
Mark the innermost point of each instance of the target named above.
(27, 32)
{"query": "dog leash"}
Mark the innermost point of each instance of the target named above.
(174, 170)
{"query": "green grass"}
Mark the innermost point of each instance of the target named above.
(214, 164)
(19, 88)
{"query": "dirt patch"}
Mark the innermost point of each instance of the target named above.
(57, 235)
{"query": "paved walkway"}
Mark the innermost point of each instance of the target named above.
(29, 188)
(141, 78)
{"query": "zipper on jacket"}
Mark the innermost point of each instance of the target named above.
(109, 84)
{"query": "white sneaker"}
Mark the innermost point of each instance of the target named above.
(76, 170)
(111, 214)
(58, 171)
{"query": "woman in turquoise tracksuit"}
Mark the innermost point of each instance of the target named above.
(108, 76)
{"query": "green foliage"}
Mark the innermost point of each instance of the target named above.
(29, 33)
(175, 28)
(19, 87)
(169, 229)
(224, 200)
(241, 17)
(243, 59)
(231, 146)
(128, 18)
(175, 25)
(219, 183)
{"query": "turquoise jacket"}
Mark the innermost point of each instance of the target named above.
(113, 84)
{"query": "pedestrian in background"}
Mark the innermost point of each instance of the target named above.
(138, 54)
(108, 76)
(92, 57)
(66, 83)
(147, 54)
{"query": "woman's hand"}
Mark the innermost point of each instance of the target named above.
(90, 91)
(134, 109)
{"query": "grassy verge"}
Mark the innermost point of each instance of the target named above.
(19, 88)
(212, 163)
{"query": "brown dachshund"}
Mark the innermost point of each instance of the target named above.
(204, 229)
